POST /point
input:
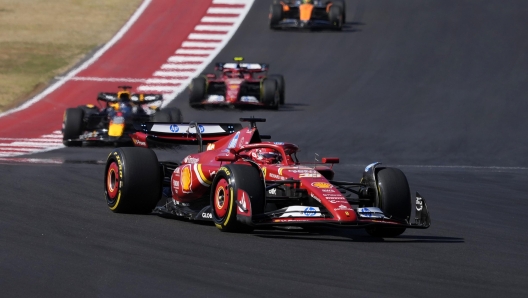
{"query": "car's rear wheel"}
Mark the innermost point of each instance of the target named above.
(281, 85)
(132, 181)
(197, 90)
(275, 15)
(225, 195)
(168, 115)
(394, 199)
(72, 126)
(270, 93)
(335, 15)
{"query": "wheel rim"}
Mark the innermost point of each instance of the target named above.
(221, 198)
(112, 181)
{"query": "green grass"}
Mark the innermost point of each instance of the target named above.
(40, 39)
(26, 67)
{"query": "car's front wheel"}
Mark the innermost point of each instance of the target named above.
(394, 199)
(229, 189)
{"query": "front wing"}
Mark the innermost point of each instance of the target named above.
(312, 24)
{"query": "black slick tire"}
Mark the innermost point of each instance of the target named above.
(197, 88)
(335, 15)
(281, 85)
(275, 15)
(72, 127)
(229, 179)
(132, 181)
(269, 93)
(394, 199)
(342, 5)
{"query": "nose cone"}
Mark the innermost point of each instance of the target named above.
(332, 199)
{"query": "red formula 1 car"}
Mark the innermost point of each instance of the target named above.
(238, 84)
(241, 183)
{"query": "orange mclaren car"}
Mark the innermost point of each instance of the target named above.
(308, 14)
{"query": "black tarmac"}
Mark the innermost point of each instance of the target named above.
(437, 88)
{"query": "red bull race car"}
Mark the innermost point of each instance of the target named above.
(241, 183)
(307, 14)
(238, 84)
(113, 121)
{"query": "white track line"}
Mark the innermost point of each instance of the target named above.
(207, 36)
(218, 46)
(21, 146)
(34, 140)
(14, 150)
(198, 50)
(98, 79)
(230, 1)
(164, 81)
(212, 28)
(217, 19)
(446, 167)
(161, 73)
(224, 10)
(101, 79)
(156, 88)
(208, 45)
(178, 58)
(30, 160)
(197, 44)
(87, 63)
(30, 144)
(177, 66)
(194, 52)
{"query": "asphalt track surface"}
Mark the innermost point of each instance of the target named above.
(437, 88)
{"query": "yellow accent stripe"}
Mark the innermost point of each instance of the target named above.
(230, 204)
(117, 203)
(202, 175)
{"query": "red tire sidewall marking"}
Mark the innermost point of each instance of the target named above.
(112, 178)
(221, 207)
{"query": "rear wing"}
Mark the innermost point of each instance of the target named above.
(163, 134)
(254, 67)
(137, 98)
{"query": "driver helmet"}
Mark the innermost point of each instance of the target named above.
(124, 96)
(235, 74)
(265, 155)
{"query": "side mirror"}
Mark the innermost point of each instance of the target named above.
(330, 160)
(229, 157)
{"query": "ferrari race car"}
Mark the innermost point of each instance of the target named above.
(113, 122)
(238, 84)
(308, 14)
(241, 183)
